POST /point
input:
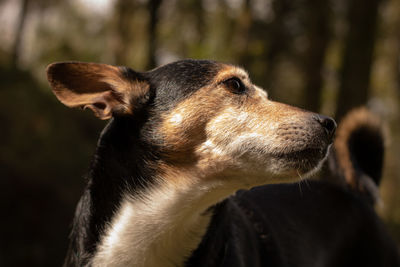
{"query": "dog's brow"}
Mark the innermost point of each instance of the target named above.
(241, 72)
(230, 71)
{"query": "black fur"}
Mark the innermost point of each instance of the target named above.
(281, 225)
(276, 225)
(177, 81)
(367, 159)
(126, 147)
(118, 165)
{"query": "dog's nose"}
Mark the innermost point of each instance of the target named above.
(328, 124)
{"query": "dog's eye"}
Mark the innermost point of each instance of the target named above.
(235, 85)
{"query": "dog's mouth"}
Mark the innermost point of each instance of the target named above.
(308, 153)
(302, 161)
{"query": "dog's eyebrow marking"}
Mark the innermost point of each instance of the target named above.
(230, 71)
(261, 92)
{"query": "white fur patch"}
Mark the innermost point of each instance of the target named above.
(176, 119)
(236, 132)
(161, 227)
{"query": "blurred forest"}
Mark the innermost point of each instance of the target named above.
(326, 56)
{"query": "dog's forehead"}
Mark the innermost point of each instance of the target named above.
(195, 72)
(186, 71)
(178, 80)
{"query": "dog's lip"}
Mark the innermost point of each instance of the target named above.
(301, 154)
(304, 160)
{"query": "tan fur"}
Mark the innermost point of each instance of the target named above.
(201, 131)
(353, 120)
(164, 226)
(99, 87)
(228, 71)
(214, 142)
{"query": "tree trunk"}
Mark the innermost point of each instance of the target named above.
(123, 13)
(153, 7)
(277, 41)
(244, 24)
(200, 20)
(318, 28)
(357, 60)
(16, 49)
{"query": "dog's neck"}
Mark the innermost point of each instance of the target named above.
(132, 216)
(159, 227)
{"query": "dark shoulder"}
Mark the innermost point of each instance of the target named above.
(309, 224)
(323, 223)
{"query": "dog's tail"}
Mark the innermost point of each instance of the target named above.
(358, 153)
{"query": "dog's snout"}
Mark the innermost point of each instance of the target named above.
(328, 124)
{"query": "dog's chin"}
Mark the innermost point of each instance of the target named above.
(300, 164)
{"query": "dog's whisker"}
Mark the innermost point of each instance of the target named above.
(300, 181)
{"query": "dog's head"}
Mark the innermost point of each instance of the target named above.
(203, 116)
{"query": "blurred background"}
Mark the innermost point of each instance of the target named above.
(325, 56)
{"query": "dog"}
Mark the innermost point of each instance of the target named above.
(181, 141)
(357, 159)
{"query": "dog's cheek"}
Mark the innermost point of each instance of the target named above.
(184, 128)
(229, 135)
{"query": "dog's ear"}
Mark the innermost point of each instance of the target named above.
(105, 89)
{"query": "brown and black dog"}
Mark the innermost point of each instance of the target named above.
(182, 139)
